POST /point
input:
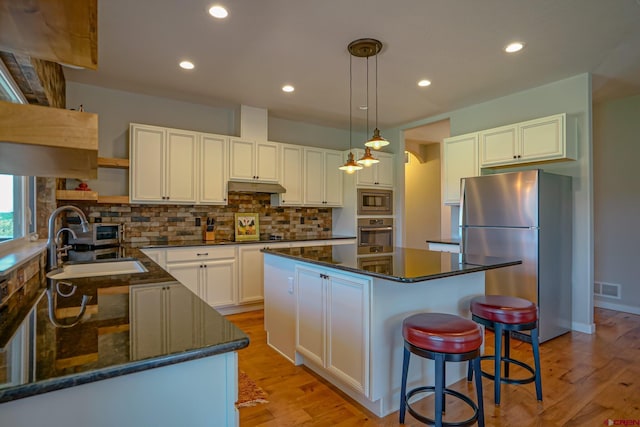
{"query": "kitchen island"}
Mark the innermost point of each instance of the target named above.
(341, 314)
(144, 350)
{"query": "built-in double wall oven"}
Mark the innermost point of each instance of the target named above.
(375, 235)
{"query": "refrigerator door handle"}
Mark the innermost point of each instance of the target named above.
(461, 217)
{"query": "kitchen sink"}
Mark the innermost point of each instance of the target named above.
(102, 268)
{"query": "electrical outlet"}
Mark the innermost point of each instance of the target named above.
(290, 281)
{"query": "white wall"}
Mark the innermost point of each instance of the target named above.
(422, 204)
(299, 133)
(616, 150)
(573, 96)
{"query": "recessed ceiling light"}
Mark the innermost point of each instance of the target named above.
(288, 88)
(514, 47)
(187, 65)
(424, 83)
(218, 12)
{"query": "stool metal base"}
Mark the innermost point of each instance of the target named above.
(450, 392)
(439, 388)
(508, 380)
(505, 329)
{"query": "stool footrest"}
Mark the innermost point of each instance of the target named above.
(450, 392)
(510, 380)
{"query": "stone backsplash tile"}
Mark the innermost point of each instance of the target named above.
(161, 223)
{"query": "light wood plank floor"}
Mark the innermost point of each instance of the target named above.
(586, 380)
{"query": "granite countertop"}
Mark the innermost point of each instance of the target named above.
(103, 344)
(403, 265)
(263, 239)
(451, 241)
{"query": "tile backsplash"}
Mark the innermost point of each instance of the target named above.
(158, 224)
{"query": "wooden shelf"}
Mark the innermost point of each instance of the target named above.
(76, 195)
(111, 162)
(113, 199)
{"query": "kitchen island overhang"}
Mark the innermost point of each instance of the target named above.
(323, 310)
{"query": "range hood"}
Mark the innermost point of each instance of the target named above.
(255, 187)
(47, 141)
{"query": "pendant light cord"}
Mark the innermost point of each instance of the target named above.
(350, 99)
(367, 130)
(376, 90)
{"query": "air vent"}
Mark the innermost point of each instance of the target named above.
(609, 290)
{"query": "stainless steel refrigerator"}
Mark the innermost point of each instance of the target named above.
(525, 215)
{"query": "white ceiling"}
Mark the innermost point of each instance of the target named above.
(457, 44)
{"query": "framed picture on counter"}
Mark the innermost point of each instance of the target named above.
(247, 226)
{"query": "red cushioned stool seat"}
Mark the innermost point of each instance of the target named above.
(443, 338)
(504, 309)
(505, 314)
(445, 333)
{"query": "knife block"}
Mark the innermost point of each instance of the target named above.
(208, 236)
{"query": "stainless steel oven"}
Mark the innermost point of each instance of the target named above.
(375, 235)
(98, 235)
(375, 202)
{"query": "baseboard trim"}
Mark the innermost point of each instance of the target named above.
(616, 307)
(587, 328)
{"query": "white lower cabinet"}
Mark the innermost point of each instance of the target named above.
(157, 319)
(251, 271)
(332, 324)
(208, 272)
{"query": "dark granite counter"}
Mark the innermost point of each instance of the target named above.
(112, 336)
(262, 239)
(445, 241)
(403, 265)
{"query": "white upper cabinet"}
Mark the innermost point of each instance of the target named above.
(290, 176)
(213, 170)
(322, 178)
(536, 140)
(177, 167)
(499, 145)
(377, 175)
(460, 161)
(163, 165)
(253, 161)
(181, 166)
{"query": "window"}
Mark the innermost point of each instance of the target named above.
(17, 207)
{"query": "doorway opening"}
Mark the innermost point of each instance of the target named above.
(425, 217)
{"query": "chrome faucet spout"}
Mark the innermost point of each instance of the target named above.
(52, 238)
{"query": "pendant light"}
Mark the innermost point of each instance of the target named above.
(350, 166)
(376, 141)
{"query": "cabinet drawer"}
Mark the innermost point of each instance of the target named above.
(200, 253)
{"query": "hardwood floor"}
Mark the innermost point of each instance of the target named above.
(586, 380)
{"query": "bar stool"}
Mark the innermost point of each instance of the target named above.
(505, 314)
(442, 338)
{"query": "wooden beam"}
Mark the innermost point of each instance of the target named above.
(55, 30)
(52, 127)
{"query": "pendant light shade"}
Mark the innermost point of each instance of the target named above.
(368, 159)
(376, 142)
(350, 166)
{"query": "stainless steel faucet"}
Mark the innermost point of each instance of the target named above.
(52, 239)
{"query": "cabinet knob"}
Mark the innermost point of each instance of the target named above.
(519, 156)
(515, 157)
